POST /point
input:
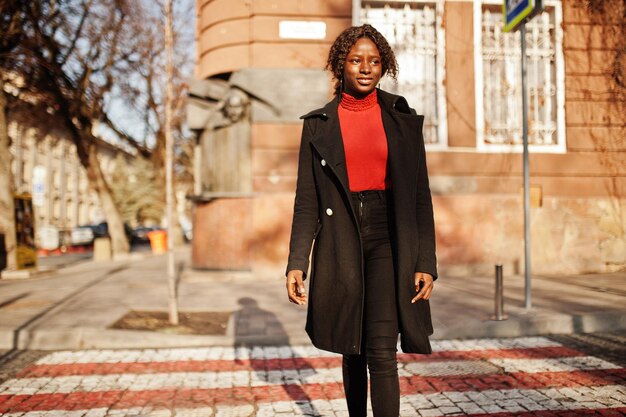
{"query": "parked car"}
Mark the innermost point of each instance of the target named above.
(83, 235)
(140, 234)
(86, 234)
(48, 237)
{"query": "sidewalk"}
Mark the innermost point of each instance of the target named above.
(74, 308)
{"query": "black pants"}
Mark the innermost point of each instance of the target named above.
(380, 318)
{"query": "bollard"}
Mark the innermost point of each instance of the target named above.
(499, 296)
(102, 249)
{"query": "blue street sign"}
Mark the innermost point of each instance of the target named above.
(517, 11)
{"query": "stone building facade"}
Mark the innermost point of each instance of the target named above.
(49, 169)
(462, 72)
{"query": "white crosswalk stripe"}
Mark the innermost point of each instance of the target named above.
(531, 375)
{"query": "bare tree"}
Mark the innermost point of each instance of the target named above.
(72, 54)
(11, 35)
(169, 147)
(145, 95)
(7, 220)
(136, 192)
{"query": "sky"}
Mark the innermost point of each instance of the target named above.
(119, 110)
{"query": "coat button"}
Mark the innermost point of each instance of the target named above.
(329, 212)
(323, 162)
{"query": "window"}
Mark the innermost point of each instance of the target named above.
(498, 80)
(57, 149)
(56, 179)
(414, 31)
(83, 214)
(82, 182)
(56, 210)
(69, 181)
(69, 205)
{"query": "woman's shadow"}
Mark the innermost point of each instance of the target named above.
(261, 329)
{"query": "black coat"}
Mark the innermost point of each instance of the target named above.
(323, 212)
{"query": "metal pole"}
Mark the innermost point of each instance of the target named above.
(197, 166)
(499, 296)
(527, 241)
(169, 157)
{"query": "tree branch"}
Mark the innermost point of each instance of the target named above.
(143, 150)
(77, 33)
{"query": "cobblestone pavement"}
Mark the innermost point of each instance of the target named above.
(533, 376)
(608, 346)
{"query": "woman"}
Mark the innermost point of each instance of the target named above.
(363, 196)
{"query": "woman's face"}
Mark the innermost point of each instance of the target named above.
(362, 69)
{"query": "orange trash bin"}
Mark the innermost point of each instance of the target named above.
(158, 241)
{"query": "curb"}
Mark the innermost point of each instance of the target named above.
(90, 338)
(535, 326)
(93, 338)
(15, 274)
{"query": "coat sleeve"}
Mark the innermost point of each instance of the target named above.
(427, 259)
(305, 211)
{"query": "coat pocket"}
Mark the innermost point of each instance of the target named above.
(318, 227)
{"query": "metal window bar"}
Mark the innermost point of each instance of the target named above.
(502, 80)
(410, 28)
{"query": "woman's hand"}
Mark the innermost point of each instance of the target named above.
(295, 287)
(423, 286)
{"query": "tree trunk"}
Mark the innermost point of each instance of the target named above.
(7, 206)
(169, 163)
(119, 243)
(177, 229)
(158, 158)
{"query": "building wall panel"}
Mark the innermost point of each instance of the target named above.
(318, 8)
(276, 136)
(266, 28)
(585, 37)
(225, 34)
(551, 186)
(290, 55)
(594, 113)
(274, 162)
(459, 82)
(597, 138)
(274, 184)
(576, 12)
(223, 60)
(575, 164)
(215, 11)
(591, 62)
(593, 88)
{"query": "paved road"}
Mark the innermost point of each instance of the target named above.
(64, 260)
(72, 258)
(574, 375)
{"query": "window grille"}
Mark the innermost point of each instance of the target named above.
(414, 32)
(500, 58)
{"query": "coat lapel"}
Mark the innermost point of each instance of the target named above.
(402, 141)
(329, 144)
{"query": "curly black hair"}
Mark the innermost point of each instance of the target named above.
(344, 42)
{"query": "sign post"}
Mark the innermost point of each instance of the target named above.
(516, 13)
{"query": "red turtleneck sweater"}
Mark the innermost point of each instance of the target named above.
(364, 142)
